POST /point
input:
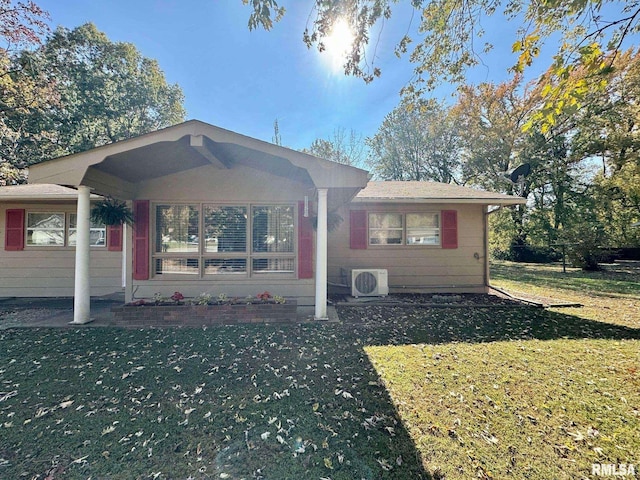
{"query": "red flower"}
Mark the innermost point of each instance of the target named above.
(177, 296)
(264, 296)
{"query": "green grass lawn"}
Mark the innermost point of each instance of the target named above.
(611, 295)
(510, 392)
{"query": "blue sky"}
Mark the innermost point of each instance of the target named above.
(243, 81)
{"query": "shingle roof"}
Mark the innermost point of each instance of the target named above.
(432, 192)
(39, 191)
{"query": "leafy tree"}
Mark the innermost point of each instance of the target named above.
(450, 39)
(22, 90)
(606, 135)
(340, 147)
(106, 92)
(492, 117)
(21, 24)
(417, 143)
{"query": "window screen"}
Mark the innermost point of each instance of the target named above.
(45, 229)
(97, 232)
(177, 228)
(423, 229)
(385, 229)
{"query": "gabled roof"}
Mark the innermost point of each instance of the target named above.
(118, 167)
(40, 192)
(431, 192)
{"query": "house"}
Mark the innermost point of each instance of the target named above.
(221, 212)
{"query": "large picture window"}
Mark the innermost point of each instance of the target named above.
(404, 228)
(207, 240)
(59, 229)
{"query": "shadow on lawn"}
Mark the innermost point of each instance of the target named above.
(246, 401)
(389, 325)
(612, 279)
(260, 402)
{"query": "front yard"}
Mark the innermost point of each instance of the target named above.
(509, 392)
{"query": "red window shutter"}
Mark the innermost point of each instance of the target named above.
(14, 229)
(114, 238)
(358, 229)
(305, 244)
(449, 226)
(141, 240)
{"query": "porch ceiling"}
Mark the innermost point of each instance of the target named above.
(152, 161)
(116, 169)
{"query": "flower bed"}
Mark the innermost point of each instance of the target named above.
(203, 311)
(199, 315)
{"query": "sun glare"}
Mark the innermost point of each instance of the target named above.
(338, 44)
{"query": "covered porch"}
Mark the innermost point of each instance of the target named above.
(193, 178)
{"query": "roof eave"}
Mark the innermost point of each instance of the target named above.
(477, 201)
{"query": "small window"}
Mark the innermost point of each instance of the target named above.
(423, 229)
(225, 266)
(97, 232)
(404, 228)
(385, 229)
(45, 229)
(177, 266)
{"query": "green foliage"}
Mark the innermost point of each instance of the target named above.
(417, 142)
(491, 117)
(265, 12)
(584, 245)
(22, 88)
(111, 211)
(450, 40)
(79, 90)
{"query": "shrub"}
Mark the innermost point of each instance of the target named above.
(527, 254)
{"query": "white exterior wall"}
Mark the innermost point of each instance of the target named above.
(49, 271)
(419, 269)
(237, 186)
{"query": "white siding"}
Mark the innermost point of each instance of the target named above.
(49, 271)
(416, 268)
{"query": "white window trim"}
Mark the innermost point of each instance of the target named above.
(66, 227)
(404, 230)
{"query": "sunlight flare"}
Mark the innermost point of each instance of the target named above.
(338, 44)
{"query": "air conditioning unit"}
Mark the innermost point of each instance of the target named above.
(370, 282)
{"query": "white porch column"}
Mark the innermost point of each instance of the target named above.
(321, 256)
(82, 287)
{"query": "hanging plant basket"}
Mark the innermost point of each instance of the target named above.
(333, 221)
(111, 211)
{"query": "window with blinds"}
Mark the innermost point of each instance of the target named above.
(404, 228)
(211, 240)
